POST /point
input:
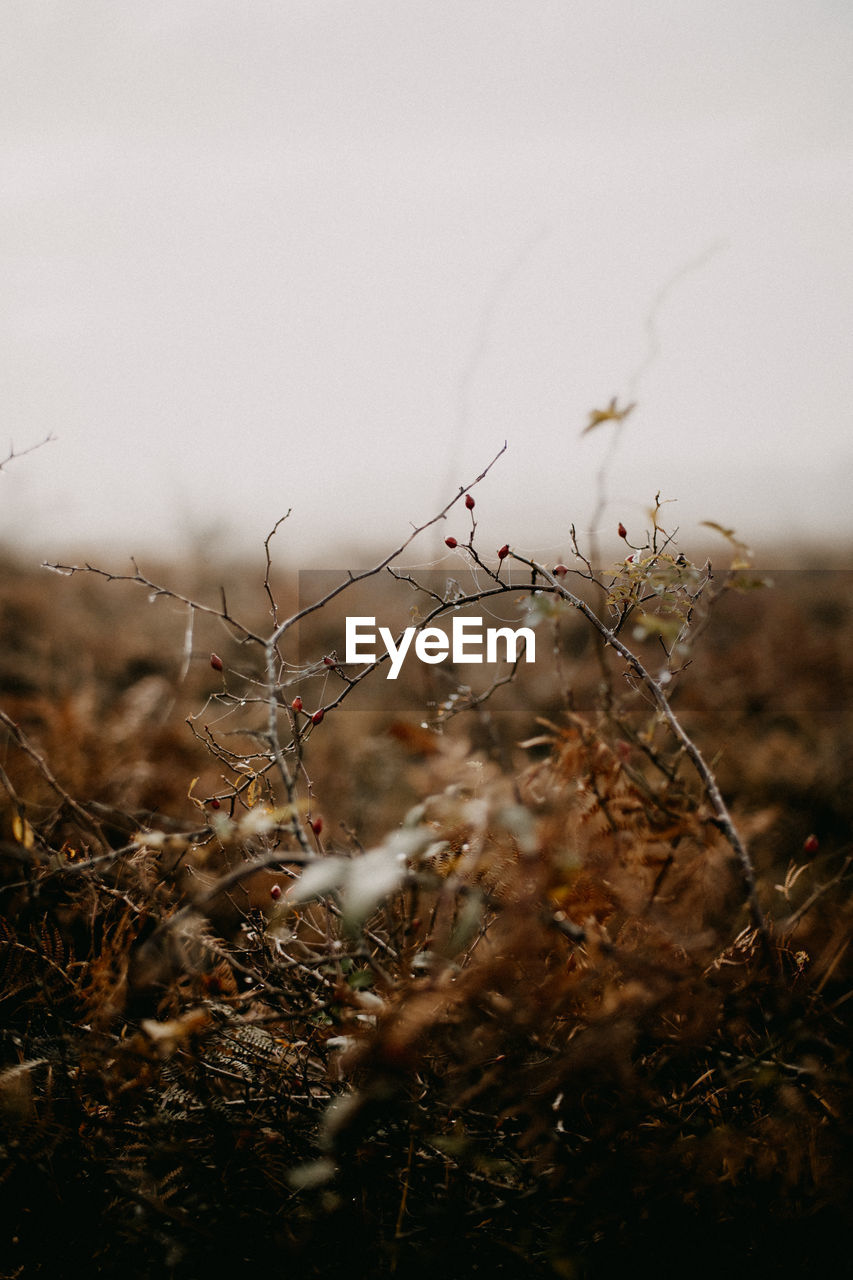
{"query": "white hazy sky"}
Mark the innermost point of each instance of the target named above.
(329, 255)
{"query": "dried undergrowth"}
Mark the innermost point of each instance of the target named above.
(499, 1006)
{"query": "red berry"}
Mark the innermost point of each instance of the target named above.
(560, 570)
(469, 502)
(811, 844)
(275, 892)
(451, 542)
(216, 662)
(317, 825)
(504, 551)
(317, 716)
(329, 662)
(214, 804)
(296, 704)
(623, 532)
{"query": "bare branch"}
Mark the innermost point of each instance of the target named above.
(709, 781)
(157, 590)
(85, 819)
(22, 453)
(352, 578)
(267, 587)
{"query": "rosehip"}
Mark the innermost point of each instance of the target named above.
(811, 844)
(317, 825)
(329, 662)
(560, 570)
(275, 892)
(216, 662)
(623, 532)
(451, 542)
(317, 716)
(504, 551)
(469, 502)
(214, 804)
(296, 704)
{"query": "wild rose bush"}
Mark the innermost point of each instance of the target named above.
(521, 979)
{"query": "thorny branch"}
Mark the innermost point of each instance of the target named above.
(648, 681)
(277, 753)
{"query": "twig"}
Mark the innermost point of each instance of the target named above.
(47, 773)
(156, 589)
(709, 781)
(22, 453)
(267, 587)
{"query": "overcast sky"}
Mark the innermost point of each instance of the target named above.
(330, 255)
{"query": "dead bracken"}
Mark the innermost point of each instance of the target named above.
(559, 978)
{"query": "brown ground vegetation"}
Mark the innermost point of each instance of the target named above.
(554, 1045)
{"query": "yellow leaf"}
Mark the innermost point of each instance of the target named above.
(23, 832)
(199, 804)
(611, 414)
(718, 528)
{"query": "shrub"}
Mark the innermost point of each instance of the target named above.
(366, 992)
